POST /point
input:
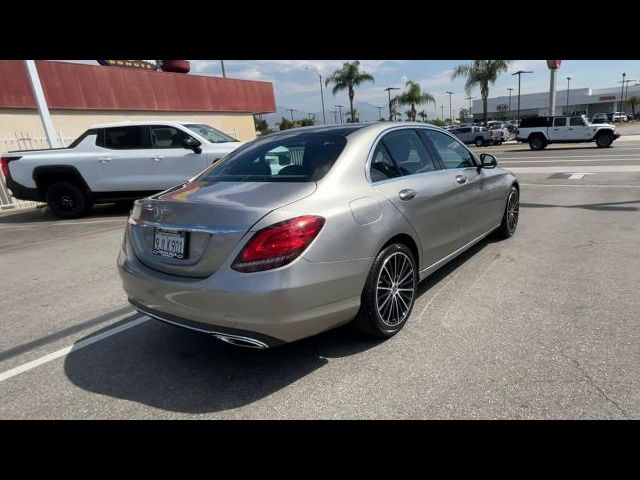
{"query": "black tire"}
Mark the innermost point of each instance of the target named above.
(479, 142)
(537, 142)
(510, 222)
(67, 200)
(379, 316)
(604, 140)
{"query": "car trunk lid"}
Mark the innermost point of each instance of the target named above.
(215, 215)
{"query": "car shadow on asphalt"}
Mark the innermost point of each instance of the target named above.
(178, 370)
(43, 214)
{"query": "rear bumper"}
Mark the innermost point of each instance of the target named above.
(23, 193)
(276, 306)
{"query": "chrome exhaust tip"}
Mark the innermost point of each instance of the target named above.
(241, 341)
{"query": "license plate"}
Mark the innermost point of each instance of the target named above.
(170, 243)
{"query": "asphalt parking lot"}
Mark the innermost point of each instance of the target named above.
(543, 325)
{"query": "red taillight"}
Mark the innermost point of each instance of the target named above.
(4, 165)
(278, 244)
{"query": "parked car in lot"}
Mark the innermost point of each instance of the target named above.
(114, 162)
(479, 136)
(619, 117)
(499, 133)
(258, 258)
(539, 132)
(599, 118)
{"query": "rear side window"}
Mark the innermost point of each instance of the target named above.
(123, 138)
(560, 122)
(382, 165)
(78, 141)
(576, 122)
(408, 152)
(295, 157)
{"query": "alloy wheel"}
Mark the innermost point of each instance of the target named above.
(395, 289)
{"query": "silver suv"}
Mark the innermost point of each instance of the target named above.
(479, 136)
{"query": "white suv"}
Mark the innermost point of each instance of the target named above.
(619, 117)
(114, 162)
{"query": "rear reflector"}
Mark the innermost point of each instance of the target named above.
(278, 244)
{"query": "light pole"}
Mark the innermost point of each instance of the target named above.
(510, 90)
(340, 108)
(568, 80)
(41, 103)
(223, 72)
(324, 118)
(335, 116)
(623, 96)
(624, 74)
(388, 89)
(450, 111)
(291, 110)
(519, 73)
(379, 113)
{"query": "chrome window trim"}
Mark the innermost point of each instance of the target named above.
(186, 228)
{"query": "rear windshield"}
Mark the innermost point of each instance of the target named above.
(297, 157)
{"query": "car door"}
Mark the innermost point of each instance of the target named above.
(477, 191)
(578, 129)
(122, 160)
(403, 171)
(558, 130)
(171, 162)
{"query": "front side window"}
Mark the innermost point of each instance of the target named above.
(124, 138)
(408, 152)
(452, 153)
(210, 134)
(163, 136)
(295, 157)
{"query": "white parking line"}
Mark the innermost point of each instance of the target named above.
(577, 169)
(555, 158)
(72, 348)
(577, 185)
(513, 162)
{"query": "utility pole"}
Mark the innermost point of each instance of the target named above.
(450, 111)
(510, 90)
(339, 107)
(41, 103)
(568, 80)
(291, 111)
(442, 112)
(624, 74)
(335, 116)
(519, 73)
(224, 75)
(379, 113)
(324, 118)
(388, 89)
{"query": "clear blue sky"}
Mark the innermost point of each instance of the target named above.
(297, 88)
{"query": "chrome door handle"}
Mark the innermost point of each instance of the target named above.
(158, 158)
(104, 159)
(407, 194)
(461, 179)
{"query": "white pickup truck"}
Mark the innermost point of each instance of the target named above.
(539, 132)
(114, 162)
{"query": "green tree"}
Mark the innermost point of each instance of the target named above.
(423, 115)
(285, 124)
(413, 96)
(356, 116)
(307, 122)
(260, 124)
(481, 73)
(633, 103)
(346, 78)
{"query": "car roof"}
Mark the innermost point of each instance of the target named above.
(132, 123)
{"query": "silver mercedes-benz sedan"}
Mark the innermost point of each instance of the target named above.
(301, 231)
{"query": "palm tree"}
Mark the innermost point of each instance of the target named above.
(346, 78)
(409, 114)
(414, 96)
(633, 102)
(481, 73)
(423, 115)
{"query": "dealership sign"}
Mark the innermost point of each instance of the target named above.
(554, 64)
(607, 97)
(502, 107)
(139, 64)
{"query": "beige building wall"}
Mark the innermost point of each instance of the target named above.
(72, 123)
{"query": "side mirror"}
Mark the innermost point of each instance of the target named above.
(191, 143)
(488, 161)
